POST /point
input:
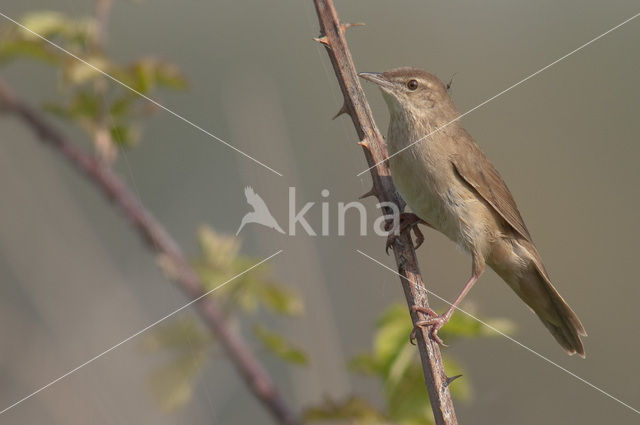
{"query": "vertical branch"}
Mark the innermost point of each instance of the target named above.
(101, 134)
(102, 14)
(356, 106)
(183, 274)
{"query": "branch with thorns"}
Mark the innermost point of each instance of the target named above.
(356, 106)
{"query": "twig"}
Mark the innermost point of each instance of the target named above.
(356, 106)
(102, 139)
(183, 274)
(102, 15)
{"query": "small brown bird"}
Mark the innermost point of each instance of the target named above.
(451, 186)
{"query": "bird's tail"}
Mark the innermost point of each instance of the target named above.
(534, 288)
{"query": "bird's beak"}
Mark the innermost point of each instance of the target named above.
(376, 77)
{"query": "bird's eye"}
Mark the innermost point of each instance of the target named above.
(412, 85)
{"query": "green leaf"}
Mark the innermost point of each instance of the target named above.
(84, 106)
(391, 349)
(85, 103)
(51, 24)
(218, 260)
(354, 410)
(169, 75)
(33, 49)
(281, 300)
(219, 251)
(463, 325)
(76, 72)
(148, 73)
(121, 106)
(407, 397)
(394, 328)
(245, 294)
(401, 365)
(460, 387)
(123, 135)
(397, 364)
(365, 364)
(178, 335)
(277, 345)
(44, 23)
(172, 385)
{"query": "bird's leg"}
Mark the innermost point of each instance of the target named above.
(418, 232)
(411, 221)
(407, 221)
(436, 321)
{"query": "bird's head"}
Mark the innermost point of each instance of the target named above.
(411, 91)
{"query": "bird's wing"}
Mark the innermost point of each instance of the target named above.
(475, 169)
(254, 199)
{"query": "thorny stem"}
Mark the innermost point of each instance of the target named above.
(248, 366)
(356, 106)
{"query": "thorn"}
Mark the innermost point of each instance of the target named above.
(364, 144)
(372, 192)
(343, 110)
(450, 380)
(345, 26)
(323, 40)
(448, 85)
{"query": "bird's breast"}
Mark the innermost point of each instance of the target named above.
(424, 176)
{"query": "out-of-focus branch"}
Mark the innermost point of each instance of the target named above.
(102, 138)
(356, 106)
(102, 15)
(248, 366)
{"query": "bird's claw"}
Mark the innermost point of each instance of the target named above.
(434, 321)
(408, 221)
(394, 230)
(419, 236)
(391, 239)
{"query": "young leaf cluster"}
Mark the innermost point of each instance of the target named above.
(110, 114)
(250, 301)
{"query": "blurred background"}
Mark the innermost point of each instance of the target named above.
(76, 280)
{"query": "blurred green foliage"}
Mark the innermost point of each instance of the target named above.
(109, 113)
(220, 260)
(354, 410)
(188, 346)
(252, 300)
(279, 346)
(396, 364)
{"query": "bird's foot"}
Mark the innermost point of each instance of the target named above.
(394, 230)
(391, 239)
(435, 322)
(408, 221)
(419, 236)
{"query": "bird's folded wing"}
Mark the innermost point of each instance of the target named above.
(475, 169)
